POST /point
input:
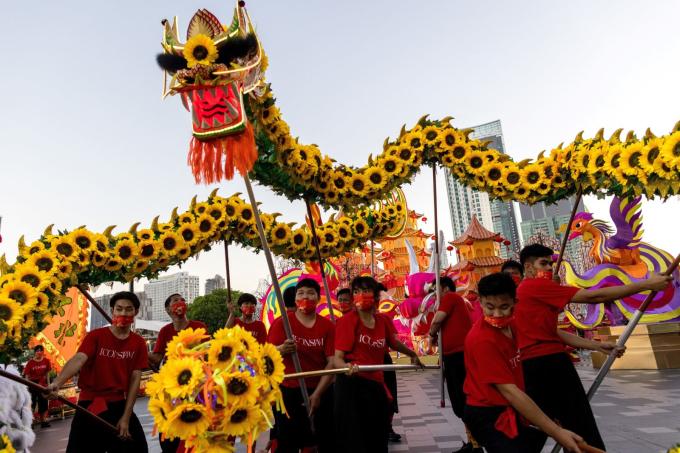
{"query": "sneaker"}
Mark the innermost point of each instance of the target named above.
(45, 425)
(394, 437)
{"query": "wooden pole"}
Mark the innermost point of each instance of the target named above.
(563, 247)
(315, 240)
(277, 287)
(94, 303)
(437, 271)
(361, 368)
(372, 259)
(44, 390)
(604, 369)
(228, 276)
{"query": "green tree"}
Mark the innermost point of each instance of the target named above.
(212, 309)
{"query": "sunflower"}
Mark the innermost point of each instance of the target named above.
(185, 339)
(28, 320)
(493, 173)
(299, 239)
(328, 237)
(461, 151)
(359, 185)
(20, 292)
(630, 159)
(246, 214)
(216, 211)
(64, 247)
(650, 154)
(431, 135)
(448, 139)
(99, 259)
(206, 225)
(598, 158)
(113, 264)
(377, 177)
(145, 235)
(29, 273)
(159, 409)
(390, 166)
(6, 444)
(241, 420)
(331, 197)
(360, 228)
(670, 151)
(149, 249)
(532, 176)
(223, 351)
(186, 217)
(183, 252)
(181, 377)
(212, 443)
(84, 239)
(11, 312)
(475, 161)
(139, 266)
(101, 243)
(245, 337)
(125, 251)
(281, 234)
(189, 233)
(36, 247)
(200, 50)
(169, 242)
(271, 364)
(413, 140)
(187, 420)
(201, 208)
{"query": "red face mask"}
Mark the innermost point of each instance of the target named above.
(248, 309)
(39, 356)
(548, 275)
(516, 278)
(306, 306)
(363, 301)
(122, 320)
(345, 307)
(179, 308)
(498, 322)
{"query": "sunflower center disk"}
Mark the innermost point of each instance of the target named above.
(191, 416)
(239, 415)
(184, 377)
(237, 386)
(225, 354)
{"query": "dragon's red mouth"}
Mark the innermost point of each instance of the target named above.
(216, 110)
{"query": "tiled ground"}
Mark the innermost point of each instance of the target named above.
(637, 411)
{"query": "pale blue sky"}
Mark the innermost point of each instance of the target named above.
(86, 139)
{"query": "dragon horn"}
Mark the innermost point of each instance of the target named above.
(48, 230)
(579, 137)
(192, 205)
(22, 244)
(213, 193)
(108, 230)
(413, 261)
(133, 228)
(676, 128)
(600, 135)
(649, 134)
(4, 267)
(154, 224)
(402, 131)
(174, 215)
(386, 143)
(616, 136)
(422, 119)
(630, 136)
(540, 155)
(446, 120)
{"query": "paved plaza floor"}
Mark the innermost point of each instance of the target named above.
(637, 412)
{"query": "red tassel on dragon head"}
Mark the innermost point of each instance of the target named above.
(212, 71)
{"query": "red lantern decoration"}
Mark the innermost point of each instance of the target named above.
(424, 219)
(449, 248)
(498, 239)
(433, 237)
(506, 242)
(469, 242)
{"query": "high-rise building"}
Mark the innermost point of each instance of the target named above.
(550, 220)
(464, 202)
(211, 284)
(159, 290)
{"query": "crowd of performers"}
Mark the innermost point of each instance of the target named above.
(507, 373)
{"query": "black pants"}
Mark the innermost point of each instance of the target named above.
(391, 383)
(454, 374)
(169, 445)
(481, 420)
(37, 399)
(361, 415)
(552, 382)
(89, 436)
(294, 432)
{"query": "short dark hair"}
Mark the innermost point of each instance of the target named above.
(381, 287)
(167, 301)
(344, 291)
(365, 282)
(309, 283)
(38, 347)
(246, 298)
(498, 284)
(512, 264)
(446, 282)
(533, 251)
(289, 297)
(132, 297)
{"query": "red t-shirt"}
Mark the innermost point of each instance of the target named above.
(257, 328)
(314, 345)
(490, 358)
(540, 302)
(457, 323)
(37, 371)
(110, 363)
(364, 346)
(168, 332)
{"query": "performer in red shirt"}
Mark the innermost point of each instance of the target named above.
(361, 399)
(344, 297)
(514, 269)
(453, 320)
(110, 361)
(494, 385)
(176, 307)
(37, 370)
(247, 303)
(550, 376)
(313, 340)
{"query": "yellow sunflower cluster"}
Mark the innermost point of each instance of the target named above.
(57, 261)
(6, 445)
(649, 166)
(212, 391)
